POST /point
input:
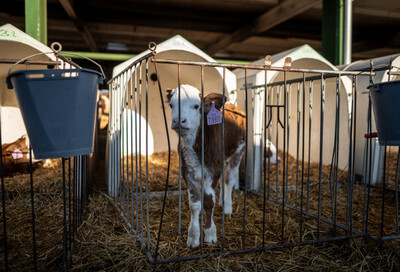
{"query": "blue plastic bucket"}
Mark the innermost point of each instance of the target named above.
(58, 108)
(385, 98)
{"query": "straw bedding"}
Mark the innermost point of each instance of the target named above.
(48, 204)
(114, 248)
(105, 242)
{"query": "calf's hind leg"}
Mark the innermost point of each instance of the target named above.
(231, 178)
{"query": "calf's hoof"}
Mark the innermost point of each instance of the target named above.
(193, 240)
(210, 235)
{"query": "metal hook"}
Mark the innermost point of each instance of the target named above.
(152, 47)
(56, 47)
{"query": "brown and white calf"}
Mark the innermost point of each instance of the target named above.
(16, 157)
(191, 146)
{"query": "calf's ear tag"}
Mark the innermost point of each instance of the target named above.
(214, 115)
(17, 154)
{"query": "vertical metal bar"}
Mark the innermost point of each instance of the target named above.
(223, 159)
(298, 116)
(270, 98)
(147, 157)
(337, 147)
(302, 157)
(347, 30)
(140, 151)
(136, 152)
(114, 142)
(133, 113)
(354, 147)
(3, 206)
(321, 143)
(368, 185)
(110, 141)
(245, 163)
(335, 157)
(74, 209)
(168, 169)
(71, 233)
(120, 141)
(180, 164)
(32, 211)
(310, 100)
(123, 140)
(396, 189)
(351, 165)
(278, 101)
(265, 154)
(288, 92)
(126, 152)
(285, 152)
(383, 191)
(64, 257)
(82, 184)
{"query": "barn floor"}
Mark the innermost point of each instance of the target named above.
(48, 204)
(105, 243)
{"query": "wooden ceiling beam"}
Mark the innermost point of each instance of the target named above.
(80, 25)
(268, 20)
(382, 41)
(275, 16)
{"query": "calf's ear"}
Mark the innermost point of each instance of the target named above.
(169, 94)
(218, 100)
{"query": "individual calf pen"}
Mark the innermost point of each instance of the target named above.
(312, 196)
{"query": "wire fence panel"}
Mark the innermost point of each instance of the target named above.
(296, 181)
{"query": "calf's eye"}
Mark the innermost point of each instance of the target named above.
(196, 107)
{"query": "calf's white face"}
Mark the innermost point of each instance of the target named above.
(190, 109)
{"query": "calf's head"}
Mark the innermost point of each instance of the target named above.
(190, 109)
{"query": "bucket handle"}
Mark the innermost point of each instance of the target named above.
(56, 52)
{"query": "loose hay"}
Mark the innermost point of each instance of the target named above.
(48, 203)
(105, 242)
(114, 248)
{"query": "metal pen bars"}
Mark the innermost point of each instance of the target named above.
(312, 196)
(73, 186)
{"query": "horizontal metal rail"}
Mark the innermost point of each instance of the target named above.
(258, 67)
(260, 249)
(130, 66)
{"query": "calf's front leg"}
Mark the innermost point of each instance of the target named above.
(194, 192)
(210, 231)
(193, 240)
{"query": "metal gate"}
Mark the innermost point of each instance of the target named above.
(311, 197)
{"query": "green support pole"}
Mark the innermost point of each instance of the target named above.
(332, 31)
(36, 19)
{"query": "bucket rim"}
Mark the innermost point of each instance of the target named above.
(374, 85)
(27, 71)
